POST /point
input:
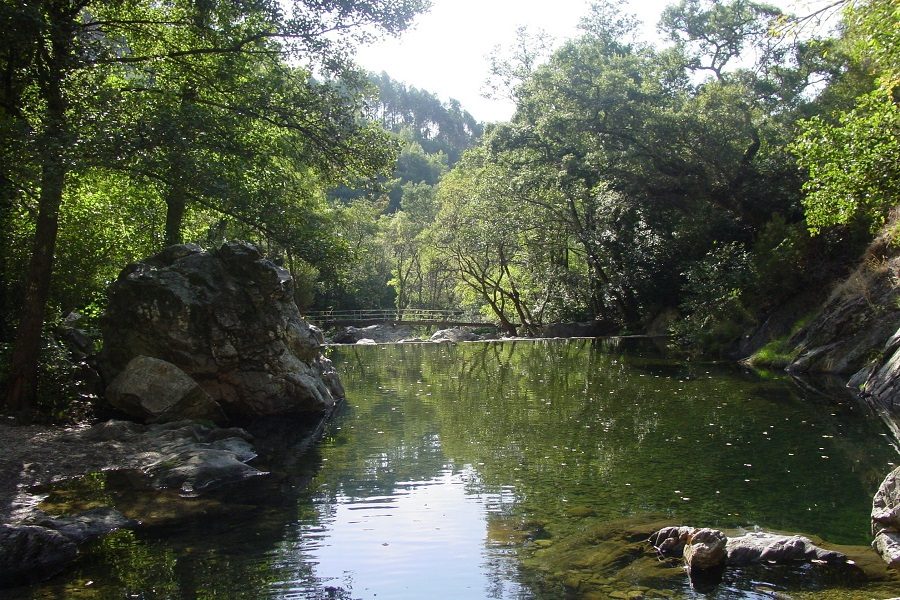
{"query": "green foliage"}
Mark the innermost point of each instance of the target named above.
(853, 169)
(780, 352)
(61, 393)
(713, 307)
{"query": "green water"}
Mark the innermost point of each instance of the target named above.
(530, 469)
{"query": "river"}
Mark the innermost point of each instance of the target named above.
(526, 469)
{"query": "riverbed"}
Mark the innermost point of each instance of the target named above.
(526, 469)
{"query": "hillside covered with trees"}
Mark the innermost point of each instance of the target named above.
(700, 185)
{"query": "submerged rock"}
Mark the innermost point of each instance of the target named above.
(29, 554)
(185, 456)
(226, 318)
(88, 525)
(886, 519)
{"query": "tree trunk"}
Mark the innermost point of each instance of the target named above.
(21, 384)
(7, 196)
(175, 205)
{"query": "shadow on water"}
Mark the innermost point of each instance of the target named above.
(525, 469)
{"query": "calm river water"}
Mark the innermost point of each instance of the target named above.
(528, 469)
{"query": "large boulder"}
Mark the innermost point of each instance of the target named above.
(886, 519)
(226, 318)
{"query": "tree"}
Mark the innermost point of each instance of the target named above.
(69, 43)
(850, 155)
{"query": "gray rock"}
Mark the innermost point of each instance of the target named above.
(705, 550)
(455, 334)
(887, 545)
(886, 519)
(703, 545)
(670, 541)
(227, 318)
(761, 547)
(381, 333)
(886, 504)
(89, 525)
(184, 455)
(883, 381)
(861, 315)
(195, 459)
(29, 554)
(155, 391)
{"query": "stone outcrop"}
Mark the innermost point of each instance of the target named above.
(886, 519)
(185, 456)
(881, 379)
(858, 319)
(228, 320)
(189, 458)
(711, 548)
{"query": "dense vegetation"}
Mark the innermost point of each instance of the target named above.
(735, 168)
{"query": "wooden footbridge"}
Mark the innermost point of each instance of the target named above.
(406, 316)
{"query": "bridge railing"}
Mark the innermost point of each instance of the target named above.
(390, 315)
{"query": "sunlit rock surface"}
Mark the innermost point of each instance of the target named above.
(750, 548)
(227, 318)
(154, 390)
(705, 550)
(886, 519)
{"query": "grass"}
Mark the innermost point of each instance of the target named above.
(780, 352)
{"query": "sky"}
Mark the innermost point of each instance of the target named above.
(446, 52)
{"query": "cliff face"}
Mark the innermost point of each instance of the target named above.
(857, 331)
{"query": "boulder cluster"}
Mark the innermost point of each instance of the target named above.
(709, 550)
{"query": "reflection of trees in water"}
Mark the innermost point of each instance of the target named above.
(556, 431)
(622, 430)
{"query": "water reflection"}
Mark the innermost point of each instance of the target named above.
(510, 470)
(427, 539)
